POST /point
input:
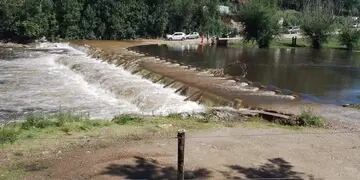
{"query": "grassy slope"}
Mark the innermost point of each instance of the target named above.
(46, 135)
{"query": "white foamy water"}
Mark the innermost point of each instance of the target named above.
(62, 76)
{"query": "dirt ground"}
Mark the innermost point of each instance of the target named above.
(236, 153)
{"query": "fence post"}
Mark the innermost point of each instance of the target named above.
(181, 151)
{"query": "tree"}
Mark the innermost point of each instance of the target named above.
(317, 23)
(9, 12)
(68, 17)
(106, 19)
(291, 18)
(260, 22)
(157, 18)
(349, 36)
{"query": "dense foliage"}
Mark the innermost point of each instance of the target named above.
(260, 21)
(106, 19)
(341, 7)
(349, 37)
(317, 23)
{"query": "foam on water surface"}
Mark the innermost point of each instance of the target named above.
(67, 77)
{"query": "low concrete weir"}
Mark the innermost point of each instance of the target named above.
(199, 86)
(210, 89)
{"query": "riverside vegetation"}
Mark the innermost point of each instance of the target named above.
(318, 19)
(68, 123)
(40, 134)
(26, 20)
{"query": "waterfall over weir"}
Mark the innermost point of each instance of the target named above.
(56, 75)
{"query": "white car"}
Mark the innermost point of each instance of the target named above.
(176, 36)
(294, 30)
(193, 35)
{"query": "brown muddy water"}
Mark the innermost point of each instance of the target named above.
(324, 76)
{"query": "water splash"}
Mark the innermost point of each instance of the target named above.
(67, 77)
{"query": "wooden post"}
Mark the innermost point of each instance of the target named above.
(181, 151)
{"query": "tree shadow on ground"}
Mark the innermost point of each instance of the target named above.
(276, 168)
(151, 169)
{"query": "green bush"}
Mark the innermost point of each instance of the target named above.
(8, 135)
(59, 119)
(126, 119)
(36, 121)
(317, 23)
(311, 120)
(349, 36)
(64, 117)
(291, 18)
(260, 22)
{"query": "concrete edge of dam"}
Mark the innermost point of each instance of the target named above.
(205, 88)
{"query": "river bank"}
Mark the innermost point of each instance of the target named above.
(133, 147)
(145, 148)
(337, 117)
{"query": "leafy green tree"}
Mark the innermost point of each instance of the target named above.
(88, 23)
(210, 21)
(36, 19)
(349, 36)
(317, 23)
(157, 18)
(106, 19)
(260, 22)
(68, 17)
(291, 18)
(9, 11)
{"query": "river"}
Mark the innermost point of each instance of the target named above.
(52, 77)
(328, 76)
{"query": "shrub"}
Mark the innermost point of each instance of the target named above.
(349, 36)
(63, 117)
(260, 22)
(8, 135)
(126, 119)
(59, 119)
(36, 121)
(317, 23)
(311, 120)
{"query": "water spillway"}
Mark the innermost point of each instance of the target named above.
(200, 86)
(209, 86)
(50, 77)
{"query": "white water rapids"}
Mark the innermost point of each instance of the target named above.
(56, 75)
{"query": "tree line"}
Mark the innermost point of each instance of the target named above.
(318, 20)
(106, 19)
(341, 7)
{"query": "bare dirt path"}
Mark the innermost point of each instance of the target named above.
(216, 154)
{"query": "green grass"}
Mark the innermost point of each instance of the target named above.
(310, 119)
(66, 131)
(8, 134)
(39, 124)
(67, 123)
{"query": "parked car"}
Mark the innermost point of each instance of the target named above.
(193, 35)
(293, 29)
(176, 36)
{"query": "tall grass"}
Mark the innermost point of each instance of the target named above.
(310, 119)
(8, 134)
(63, 121)
(56, 120)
